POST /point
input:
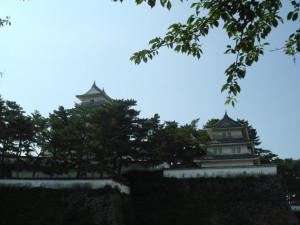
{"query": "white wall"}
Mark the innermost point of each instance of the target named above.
(226, 150)
(25, 174)
(295, 208)
(221, 172)
(229, 163)
(218, 134)
(59, 184)
(141, 167)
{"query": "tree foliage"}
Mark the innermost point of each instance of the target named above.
(289, 174)
(88, 140)
(247, 23)
(16, 133)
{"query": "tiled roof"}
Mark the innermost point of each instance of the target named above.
(226, 157)
(94, 91)
(229, 141)
(226, 122)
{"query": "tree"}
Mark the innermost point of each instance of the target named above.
(177, 145)
(5, 143)
(16, 135)
(166, 146)
(115, 125)
(58, 145)
(41, 140)
(190, 138)
(23, 136)
(145, 144)
(266, 156)
(289, 173)
(211, 122)
(247, 23)
(77, 138)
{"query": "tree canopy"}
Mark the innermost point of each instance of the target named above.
(94, 140)
(98, 140)
(247, 23)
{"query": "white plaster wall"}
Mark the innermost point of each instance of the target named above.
(234, 133)
(25, 174)
(219, 164)
(295, 208)
(141, 167)
(59, 184)
(220, 172)
(97, 99)
(226, 150)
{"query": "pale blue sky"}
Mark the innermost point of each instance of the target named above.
(56, 49)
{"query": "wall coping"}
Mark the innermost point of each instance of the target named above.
(223, 167)
(65, 183)
(233, 171)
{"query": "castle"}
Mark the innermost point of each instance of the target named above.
(94, 97)
(230, 152)
(230, 145)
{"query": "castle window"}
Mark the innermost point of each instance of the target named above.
(226, 135)
(220, 151)
(233, 150)
(215, 151)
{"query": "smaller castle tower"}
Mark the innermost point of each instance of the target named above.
(230, 145)
(94, 97)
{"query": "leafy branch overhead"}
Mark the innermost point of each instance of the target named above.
(247, 24)
(4, 22)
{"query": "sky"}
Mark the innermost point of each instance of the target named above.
(55, 50)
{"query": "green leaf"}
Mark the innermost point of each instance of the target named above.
(225, 86)
(163, 2)
(193, 5)
(227, 101)
(275, 23)
(295, 17)
(289, 16)
(216, 23)
(151, 3)
(138, 2)
(169, 5)
(190, 19)
(238, 88)
(177, 48)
